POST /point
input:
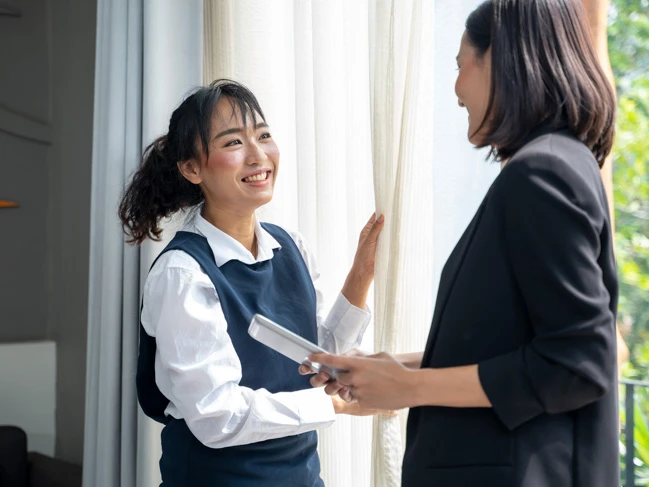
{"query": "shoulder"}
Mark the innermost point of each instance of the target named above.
(555, 178)
(175, 259)
(555, 162)
(556, 153)
(174, 265)
(174, 278)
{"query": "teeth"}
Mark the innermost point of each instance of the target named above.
(259, 177)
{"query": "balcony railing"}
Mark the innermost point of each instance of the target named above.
(630, 388)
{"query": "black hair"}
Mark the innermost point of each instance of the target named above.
(158, 189)
(544, 71)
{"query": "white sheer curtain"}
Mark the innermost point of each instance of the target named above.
(142, 72)
(308, 63)
(402, 114)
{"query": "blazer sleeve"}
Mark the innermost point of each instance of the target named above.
(552, 223)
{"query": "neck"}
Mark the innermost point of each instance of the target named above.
(239, 226)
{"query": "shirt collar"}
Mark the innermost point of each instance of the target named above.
(225, 248)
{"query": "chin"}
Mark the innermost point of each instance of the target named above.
(264, 200)
(474, 138)
(470, 137)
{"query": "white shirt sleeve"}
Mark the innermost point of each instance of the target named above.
(343, 327)
(198, 370)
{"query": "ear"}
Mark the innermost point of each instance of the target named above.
(191, 170)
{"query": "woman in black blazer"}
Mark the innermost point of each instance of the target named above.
(517, 384)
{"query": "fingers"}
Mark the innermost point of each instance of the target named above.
(376, 229)
(334, 388)
(366, 228)
(320, 379)
(304, 370)
(371, 225)
(338, 361)
(345, 394)
(371, 221)
(355, 352)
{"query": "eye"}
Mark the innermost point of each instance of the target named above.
(232, 143)
(265, 135)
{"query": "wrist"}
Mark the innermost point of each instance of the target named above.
(422, 384)
(356, 288)
(359, 277)
(410, 360)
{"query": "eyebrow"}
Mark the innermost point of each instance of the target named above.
(238, 130)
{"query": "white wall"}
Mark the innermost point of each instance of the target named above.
(28, 400)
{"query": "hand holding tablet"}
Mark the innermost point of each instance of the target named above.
(287, 343)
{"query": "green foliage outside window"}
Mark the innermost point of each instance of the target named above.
(628, 37)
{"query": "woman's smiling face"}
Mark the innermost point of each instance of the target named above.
(473, 86)
(238, 175)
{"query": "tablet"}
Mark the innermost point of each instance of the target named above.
(287, 343)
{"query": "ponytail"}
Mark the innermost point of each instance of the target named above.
(157, 191)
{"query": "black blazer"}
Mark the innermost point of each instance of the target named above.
(529, 294)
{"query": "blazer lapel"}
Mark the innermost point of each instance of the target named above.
(447, 279)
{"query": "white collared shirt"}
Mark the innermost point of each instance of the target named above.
(196, 365)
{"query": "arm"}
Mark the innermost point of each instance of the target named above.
(343, 327)
(356, 288)
(410, 360)
(198, 370)
(553, 245)
(457, 387)
(381, 381)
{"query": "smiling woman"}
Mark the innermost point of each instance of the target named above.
(244, 411)
(201, 159)
(237, 174)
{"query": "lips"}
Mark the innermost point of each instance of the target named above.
(257, 177)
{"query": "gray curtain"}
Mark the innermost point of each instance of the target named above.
(149, 54)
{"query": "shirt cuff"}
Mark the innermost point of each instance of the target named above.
(315, 408)
(346, 321)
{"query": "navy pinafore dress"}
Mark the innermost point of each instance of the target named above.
(281, 289)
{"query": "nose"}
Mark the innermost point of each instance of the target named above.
(459, 102)
(256, 154)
